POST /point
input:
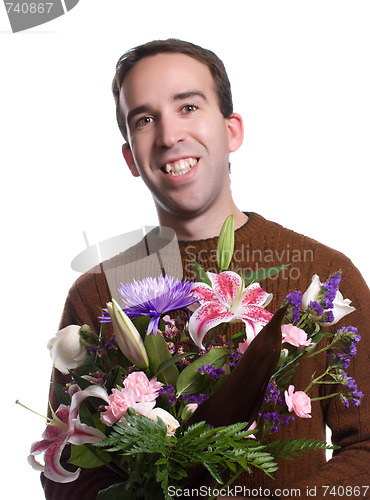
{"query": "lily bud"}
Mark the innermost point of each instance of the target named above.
(225, 244)
(127, 336)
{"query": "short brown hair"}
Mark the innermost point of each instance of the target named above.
(172, 45)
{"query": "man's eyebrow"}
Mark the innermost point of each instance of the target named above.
(189, 93)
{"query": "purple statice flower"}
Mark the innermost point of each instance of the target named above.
(316, 307)
(273, 394)
(192, 398)
(329, 317)
(169, 392)
(331, 286)
(214, 373)
(274, 428)
(233, 358)
(295, 299)
(155, 297)
(285, 420)
(354, 395)
(348, 338)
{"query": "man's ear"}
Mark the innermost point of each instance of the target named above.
(236, 132)
(129, 159)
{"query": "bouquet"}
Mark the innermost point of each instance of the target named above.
(148, 402)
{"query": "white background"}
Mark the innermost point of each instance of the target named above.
(300, 76)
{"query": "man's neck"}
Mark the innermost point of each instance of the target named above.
(203, 226)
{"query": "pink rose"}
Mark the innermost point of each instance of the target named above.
(298, 402)
(243, 346)
(146, 390)
(295, 336)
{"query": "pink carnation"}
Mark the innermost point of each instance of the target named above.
(119, 401)
(295, 336)
(146, 390)
(298, 402)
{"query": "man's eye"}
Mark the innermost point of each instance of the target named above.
(145, 120)
(189, 108)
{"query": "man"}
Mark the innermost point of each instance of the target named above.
(174, 109)
(179, 141)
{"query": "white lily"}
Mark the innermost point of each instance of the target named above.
(128, 338)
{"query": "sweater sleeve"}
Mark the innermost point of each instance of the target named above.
(87, 295)
(350, 465)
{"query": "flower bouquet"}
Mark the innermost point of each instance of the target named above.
(173, 401)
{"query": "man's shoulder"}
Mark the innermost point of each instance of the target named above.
(276, 236)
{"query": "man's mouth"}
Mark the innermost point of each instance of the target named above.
(180, 167)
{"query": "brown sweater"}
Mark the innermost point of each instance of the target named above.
(259, 243)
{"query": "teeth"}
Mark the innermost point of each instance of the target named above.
(180, 167)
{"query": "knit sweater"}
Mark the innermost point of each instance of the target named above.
(258, 243)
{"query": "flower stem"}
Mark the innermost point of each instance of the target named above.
(317, 379)
(326, 397)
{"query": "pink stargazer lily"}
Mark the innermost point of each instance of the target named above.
(65, 427)
(228, 300)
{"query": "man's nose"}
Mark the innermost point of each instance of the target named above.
(170, 131)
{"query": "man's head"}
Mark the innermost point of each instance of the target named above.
(179, 129)
(207, 57)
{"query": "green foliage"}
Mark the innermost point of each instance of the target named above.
(153, 454)
(262, 274)
(158, 353)
(190, 381)
(88, 457)
(289, 448)
(199, 273)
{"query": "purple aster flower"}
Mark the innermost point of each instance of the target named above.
(155, 297)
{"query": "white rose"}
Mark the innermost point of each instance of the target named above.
(312, 292)
(341, 306)
(168, 419)
(66, 350)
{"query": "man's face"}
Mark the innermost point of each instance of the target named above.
(178, 140)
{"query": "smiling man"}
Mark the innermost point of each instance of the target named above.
(175, 111)
(178, 142)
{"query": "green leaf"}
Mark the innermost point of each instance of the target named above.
(190, 380)
(158, 353)
(172, 361)
(117, 491)
(83, 457)
(225, 244)
(199, 273)
(262, 274)
(63, 397)
(141, 324)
